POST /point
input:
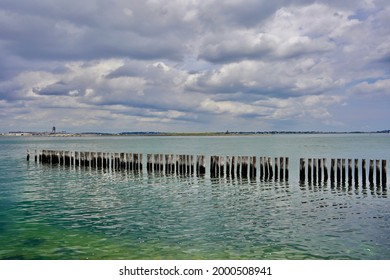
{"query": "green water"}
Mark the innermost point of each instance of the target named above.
(56, 212)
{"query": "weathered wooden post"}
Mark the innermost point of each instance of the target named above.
(384, 173)
(122, 161)
(40, 156)
(172, 163)
(191, 164)
(212, 167)
(266, 169)
(271, 172)
(28, 155)
(201, 165)
(61, 157)
(167, 165)
(338, 170)
(221, 166)
(104, 160)
(349, 171)
(77, 158)
(66, 158)
(314, 170)
(343, 169)
(378, 172)
(82, 159)
(276, 169)
(244, 167)
(233, 166)
(253, 169)
(309, 169)
(56, 156)
(228, 166)
(282, 170)
(320, 170)
(286, 173)
(160, 162)
(364, 172)
(261, 168)
(155, 163)
(140, 166)
(371, 172)
(149, 163)
(137, 162)
(356, 173)
(326, 173)
(332, 170)
(177, 164)
(238, 167)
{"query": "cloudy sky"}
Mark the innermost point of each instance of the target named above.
(194, 65)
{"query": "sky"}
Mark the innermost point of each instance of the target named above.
(194, 65)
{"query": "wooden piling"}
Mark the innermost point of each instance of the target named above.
(171, 159)
(338, 170)
(122, 161)
(332, 170)
(140, 166)
(238, 166)
(271, 172)
(302, 169)
(356, 171)
(320, 167)
(276, 169)
(350, 175)
(201, 165)
(261, 168)
(228, 170)
(309, 170)
(371, 172)
(149, 163)
(253, 168)
(282, 168)
(384, 173)
(343, 170)
(326, 173)
(364, 172)
(378, 172)
(244, 167)
(286, 173)
(233, 166)
(314, 171)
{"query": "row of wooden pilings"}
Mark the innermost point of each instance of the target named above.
(105, 160)
(312, 170)
(343, 171)
(246, 166)
(220, 166)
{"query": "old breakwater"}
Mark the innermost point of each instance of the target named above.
(311, 170)
(266, 168)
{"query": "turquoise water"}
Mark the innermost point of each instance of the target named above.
(57, 212)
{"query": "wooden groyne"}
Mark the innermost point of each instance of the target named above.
(248, 167)
(343, 171)
(220, 166)
(311, 170)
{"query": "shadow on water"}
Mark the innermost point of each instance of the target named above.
(373, 190)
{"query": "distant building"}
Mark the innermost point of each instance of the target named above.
(53, 130)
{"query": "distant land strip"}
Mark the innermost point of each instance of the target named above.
(141, 133)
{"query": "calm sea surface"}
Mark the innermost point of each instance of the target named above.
(58, 212)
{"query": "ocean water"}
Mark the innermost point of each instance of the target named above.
(58, 212)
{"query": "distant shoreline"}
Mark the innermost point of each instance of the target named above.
(200, 134)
